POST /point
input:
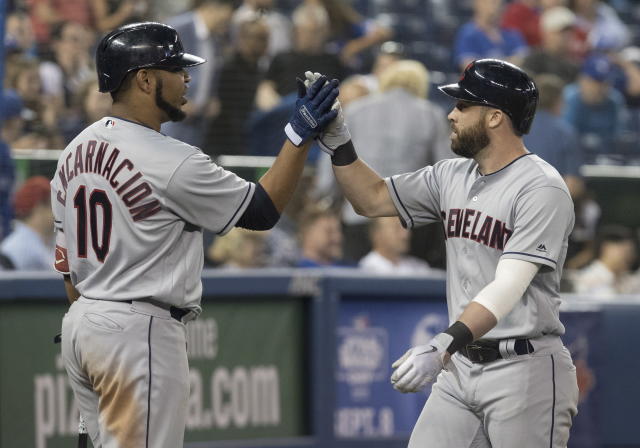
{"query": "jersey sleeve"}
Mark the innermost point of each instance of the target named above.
(61, 261)
(543, 220)
(206, 195)
(416, 196)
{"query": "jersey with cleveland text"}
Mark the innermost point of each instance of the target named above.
(523, 211)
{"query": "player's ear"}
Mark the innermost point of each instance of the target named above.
(145, 80)
(494, 118)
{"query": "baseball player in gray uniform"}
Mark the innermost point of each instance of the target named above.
(130, 204)
(502, 375)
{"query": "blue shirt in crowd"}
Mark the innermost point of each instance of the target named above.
(473, 43)
(602, 122)
(555, 141)
(7, 177)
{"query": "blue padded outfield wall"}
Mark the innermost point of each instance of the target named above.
(302, 358)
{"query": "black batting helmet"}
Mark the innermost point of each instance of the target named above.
(498, 84)
(139, 45)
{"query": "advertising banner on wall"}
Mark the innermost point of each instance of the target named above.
(372, 333)
(246, 364)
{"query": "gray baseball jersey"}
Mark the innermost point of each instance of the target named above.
(130, 204)
(522, 211)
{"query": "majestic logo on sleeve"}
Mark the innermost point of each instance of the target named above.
(472, 224)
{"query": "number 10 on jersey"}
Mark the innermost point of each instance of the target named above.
(99, 240)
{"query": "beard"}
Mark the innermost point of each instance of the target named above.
(174, 113)
(471, 141)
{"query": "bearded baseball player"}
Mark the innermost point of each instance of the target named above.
(502, 375)
(130, 204)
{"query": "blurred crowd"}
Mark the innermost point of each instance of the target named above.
(388, 54)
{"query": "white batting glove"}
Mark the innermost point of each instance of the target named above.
(420, 365)
(336, 133)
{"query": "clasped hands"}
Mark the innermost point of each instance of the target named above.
(318, 114)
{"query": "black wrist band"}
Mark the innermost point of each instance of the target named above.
(344, 155)
(461, 336)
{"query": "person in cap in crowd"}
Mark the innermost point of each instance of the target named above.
(593, 107)
(31, 246)
(554, 54)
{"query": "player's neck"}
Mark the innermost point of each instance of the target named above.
(132, 113)
(495, 157)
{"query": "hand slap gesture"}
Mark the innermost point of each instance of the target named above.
(313, 110)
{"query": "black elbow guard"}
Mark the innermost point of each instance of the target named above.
(260, 214)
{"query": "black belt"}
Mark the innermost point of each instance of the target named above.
(482, 352)
(176, 313)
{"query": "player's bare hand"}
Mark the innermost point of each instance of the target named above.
(421, 364)
(336, 134)
(313, 110)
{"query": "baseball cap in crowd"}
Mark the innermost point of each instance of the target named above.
(11, 105)
(598, 67)
(32, 192)
(557, 18)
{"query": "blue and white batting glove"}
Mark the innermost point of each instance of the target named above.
(420, 365)
(337, 133)
(313, 110)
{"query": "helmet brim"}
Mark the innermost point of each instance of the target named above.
(455, 91)
(190, 60)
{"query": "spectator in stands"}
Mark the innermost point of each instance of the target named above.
(599, 26)
(40, 112)
(390, 246)
(237, 89)
(483, 37)
(30, 245)
(554, 55)
(11, 107)
(556, 141)
(11, 117)
(280, 26)
(110, 14)
(311, 30)
(587, 217)
(238, 249)
(615, 255)
(283, 244)
(202, 32)
(20, 37)
(47, 13)
(320, 238)
(388, 53)
(524, 16)
(95, 104)
(352, 88)
(628, 83)
(550, 136)
(593, 108)
(351, 34)
(92, 105)
(398, 129)
(64, 76)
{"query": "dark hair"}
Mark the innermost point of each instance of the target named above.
(612, 234)
(550, 89)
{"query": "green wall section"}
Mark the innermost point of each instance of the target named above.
(246, 360)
